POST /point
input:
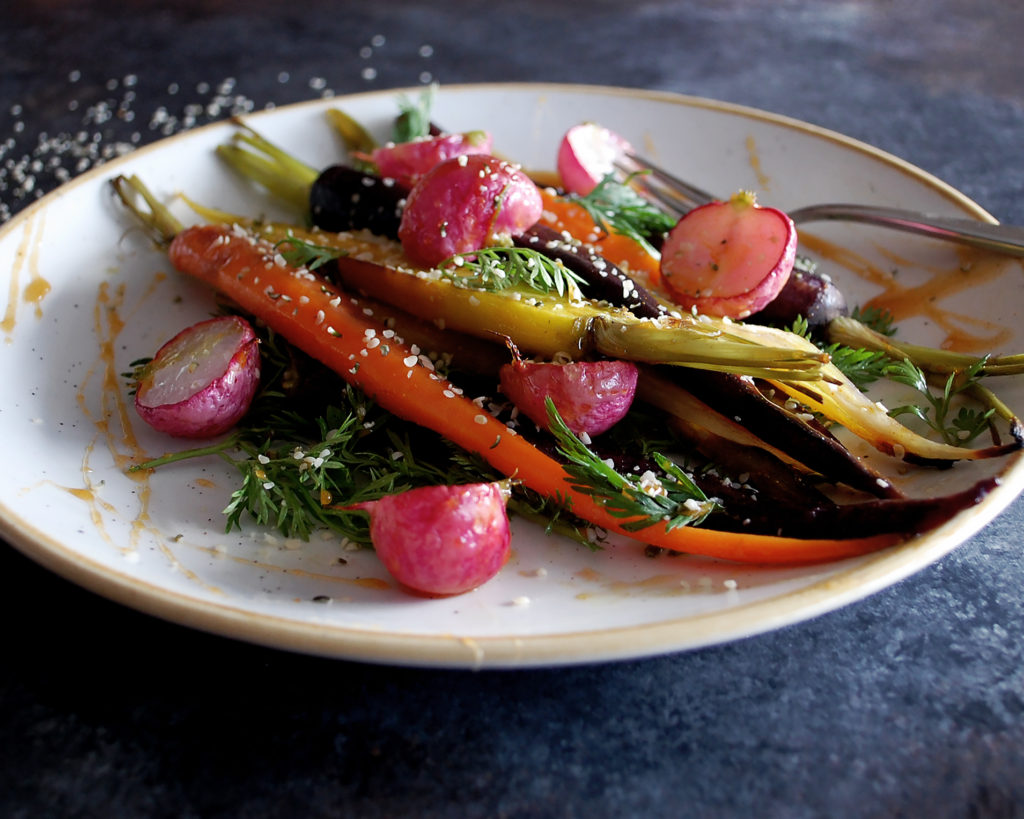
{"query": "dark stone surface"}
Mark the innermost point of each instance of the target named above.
(910, 703)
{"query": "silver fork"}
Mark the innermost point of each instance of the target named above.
(680, 196)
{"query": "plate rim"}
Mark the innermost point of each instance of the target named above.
(864, 577)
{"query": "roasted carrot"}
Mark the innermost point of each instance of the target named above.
(565, 215)
(334, 328)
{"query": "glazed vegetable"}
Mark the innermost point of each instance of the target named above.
(343, 198)
(749, 419)
(706, 342)
(590, 396)
(327, 325)
(591, 223)
(202, 381)
(576, 328)
(587, 154)
(408, 162)
(442, 540)
(464, 204)
(482, 287)
(807, 295)
(602, 280)
(729, 258)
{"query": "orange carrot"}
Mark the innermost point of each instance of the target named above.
(622, 251)
(332, 327)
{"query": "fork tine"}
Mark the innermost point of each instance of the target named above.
(679, 189)
(667, 199)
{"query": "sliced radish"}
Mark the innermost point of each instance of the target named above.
(590, 396)
(407, 162)
(202, 381)
(587, 154)
(464, 204)
(729, 259)
(442, 539)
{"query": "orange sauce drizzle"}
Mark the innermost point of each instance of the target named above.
(754, 158)
(963, 332)
(26, 256)
(21, 255)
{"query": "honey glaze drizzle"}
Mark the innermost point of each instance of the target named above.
(963, 333)
(37, 288)
(26, 256)
(21, 257)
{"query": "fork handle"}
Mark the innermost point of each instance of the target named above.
(1008, 239)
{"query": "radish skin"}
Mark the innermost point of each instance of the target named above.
(442, 540)
(590, 396)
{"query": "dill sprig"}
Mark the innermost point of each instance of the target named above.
(618, 208)
(960, 429)
(671, 498)
(490, 268)
(501, 268)
(300, 253)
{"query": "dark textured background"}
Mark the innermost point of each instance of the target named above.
(907, 704)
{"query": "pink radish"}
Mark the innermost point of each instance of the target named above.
(729, 259)
(407, 162)
(587, 154)
(590, 396)
(202, 381)
(442, 540)
(464, 204)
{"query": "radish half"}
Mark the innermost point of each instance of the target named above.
(729, 259)
(587, 154)
(202, 381)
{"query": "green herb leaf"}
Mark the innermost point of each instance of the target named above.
(878, 319)
(618, 208)
(502, 268)
(671, 498)
(862, 367)
(300, 253)
(966, 425)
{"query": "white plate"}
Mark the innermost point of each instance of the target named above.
(82, 295)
